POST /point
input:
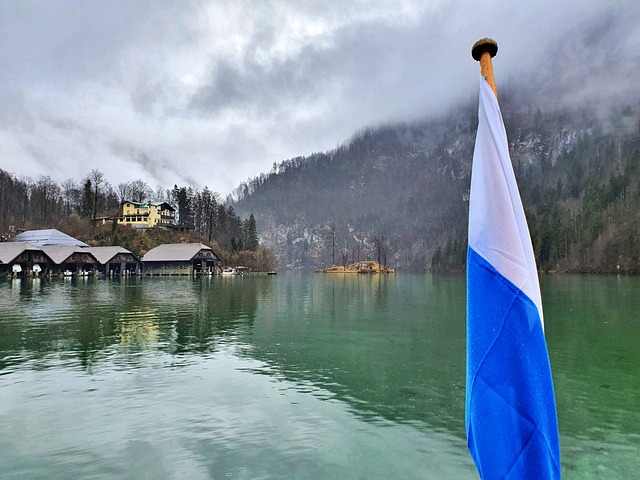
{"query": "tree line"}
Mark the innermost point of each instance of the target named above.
(581, 208)
(205, 212)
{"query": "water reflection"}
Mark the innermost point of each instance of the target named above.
(178, 316)
(277, 370)
(593, 334)
(377, 342)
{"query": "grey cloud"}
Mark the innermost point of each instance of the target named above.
(96, 83)
(593, 62)
(262, 88)
(156, 167)
(64, 40)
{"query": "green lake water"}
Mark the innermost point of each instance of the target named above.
(291, 377)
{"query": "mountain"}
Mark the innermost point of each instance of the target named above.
(399, 193)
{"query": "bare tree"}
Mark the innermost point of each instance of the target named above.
(265, 259)
(111, 199)
(97, 178)
(44, 197)
(381, 248)
(140, 191)
(162, 194)
(124, 191)
(70, 196)
(332, 235)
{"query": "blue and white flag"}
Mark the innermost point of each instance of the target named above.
(511, 420)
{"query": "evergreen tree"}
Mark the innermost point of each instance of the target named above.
(87, 198)
(250, 234)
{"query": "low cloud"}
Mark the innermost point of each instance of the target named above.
(210, 93)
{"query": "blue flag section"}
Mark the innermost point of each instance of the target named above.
(511, 420)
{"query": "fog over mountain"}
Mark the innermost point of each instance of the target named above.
(213, 92)
(573, 122)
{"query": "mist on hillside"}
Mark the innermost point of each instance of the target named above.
(573, 121)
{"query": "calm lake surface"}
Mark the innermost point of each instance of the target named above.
(292, 376)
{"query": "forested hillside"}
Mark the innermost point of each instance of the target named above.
(399, 193)
(77, 207)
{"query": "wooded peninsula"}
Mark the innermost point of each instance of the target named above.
(92, 211)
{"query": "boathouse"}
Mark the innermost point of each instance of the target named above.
(73, 260)
(180, 259)
(45, 252)
(115, 261)
(20, 259)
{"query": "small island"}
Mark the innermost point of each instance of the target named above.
(368, 266)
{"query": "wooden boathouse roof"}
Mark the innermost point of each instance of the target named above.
(9, 251)
(59, 254)
(104, 254)
(176, 252)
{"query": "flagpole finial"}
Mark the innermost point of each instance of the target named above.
(483, 51)
(484, 45)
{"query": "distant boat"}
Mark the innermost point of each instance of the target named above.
(234, 271)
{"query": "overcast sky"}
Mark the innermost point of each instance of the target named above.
(213, 92)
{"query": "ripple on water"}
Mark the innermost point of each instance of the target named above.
(287, 378)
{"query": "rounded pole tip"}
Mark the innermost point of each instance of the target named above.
(484, 45)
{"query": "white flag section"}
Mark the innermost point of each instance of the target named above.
(512, 428)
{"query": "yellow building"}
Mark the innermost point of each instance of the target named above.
(146, 215)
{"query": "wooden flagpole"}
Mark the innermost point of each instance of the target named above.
(483, 51)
